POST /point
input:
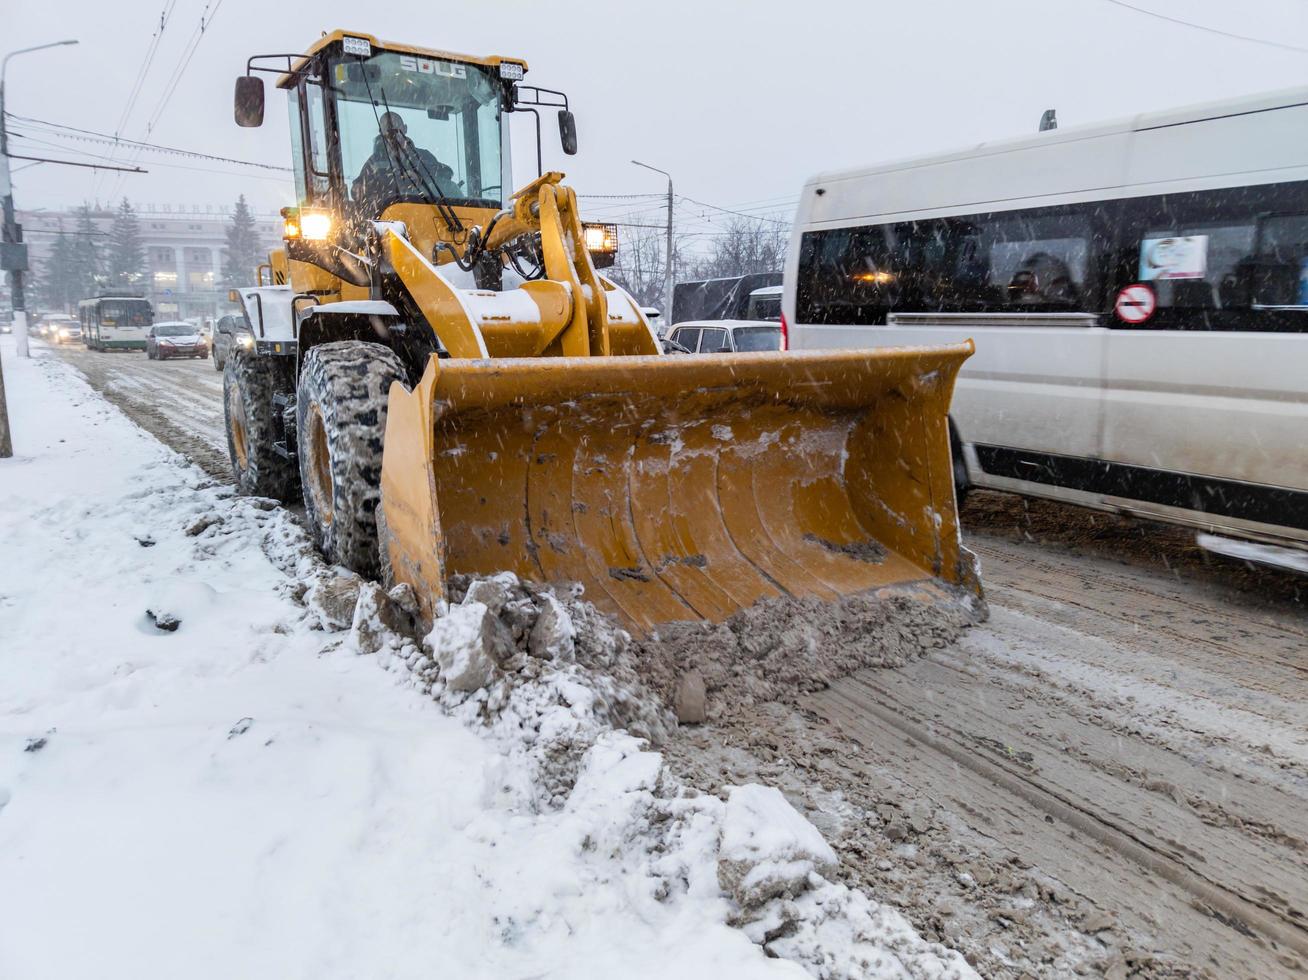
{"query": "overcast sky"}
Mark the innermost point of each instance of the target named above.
(739, 100)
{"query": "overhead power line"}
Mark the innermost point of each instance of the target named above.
(167, 166)
(742, 214)
(92, 136)
(178, 72)
(151, 51)
(78, 163)
(1210, 30)
(183, 62)
(622, 196)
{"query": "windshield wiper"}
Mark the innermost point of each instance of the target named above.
(423, 180)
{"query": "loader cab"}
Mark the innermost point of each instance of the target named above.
(430, 123)
(392, 132)
(394, 128)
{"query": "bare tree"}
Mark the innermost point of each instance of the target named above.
(745, 245)
(641, 268)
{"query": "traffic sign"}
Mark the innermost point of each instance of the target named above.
(1135, 304)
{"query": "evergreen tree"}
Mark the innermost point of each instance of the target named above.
(86, 275)
(242, 253)
(125, 256)
(55, 280)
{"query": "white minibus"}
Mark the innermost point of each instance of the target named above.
(1137, 291)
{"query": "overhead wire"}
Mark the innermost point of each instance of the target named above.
(167, 166)
(92, 136)
(1210, 30)
(150, 53)
(141, 75)
(174, 78)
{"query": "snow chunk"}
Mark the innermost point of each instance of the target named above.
(553, 637)
(467, 643)
(767, 848)
(759, 825)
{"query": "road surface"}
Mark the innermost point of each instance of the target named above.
(1109, 777)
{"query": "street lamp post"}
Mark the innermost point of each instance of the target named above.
(667, 297)
(12, 252)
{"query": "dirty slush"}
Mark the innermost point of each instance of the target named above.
(558, 680)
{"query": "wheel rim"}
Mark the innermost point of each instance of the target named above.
(319, 468)
(240, 441)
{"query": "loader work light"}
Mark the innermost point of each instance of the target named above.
(511, 71)
(601, 238)
(601, 243)
(357, 45)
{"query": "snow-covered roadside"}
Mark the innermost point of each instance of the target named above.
(247, 796)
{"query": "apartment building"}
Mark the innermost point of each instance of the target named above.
(183, 246)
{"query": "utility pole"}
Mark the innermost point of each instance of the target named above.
(667, 280)
(13, 253)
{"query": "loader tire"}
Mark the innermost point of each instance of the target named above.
(340, 422)
(249, 383)
(962, 483)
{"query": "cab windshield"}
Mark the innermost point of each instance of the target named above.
(416, 129)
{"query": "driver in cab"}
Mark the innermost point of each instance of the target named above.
(398, 168)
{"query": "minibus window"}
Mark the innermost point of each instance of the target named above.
(1280, 275)
(1215, 252)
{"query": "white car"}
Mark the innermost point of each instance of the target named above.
(175, 339)
(727, 336)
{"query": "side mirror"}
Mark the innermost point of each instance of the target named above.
(249, 101)
(567, 132)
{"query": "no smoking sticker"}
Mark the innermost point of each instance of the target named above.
(1135, 304)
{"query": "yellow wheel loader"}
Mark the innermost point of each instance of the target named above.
(462, 391)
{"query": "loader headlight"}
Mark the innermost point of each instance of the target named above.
(315, 225)
(310, 226)
(511, 71)
(246, 340)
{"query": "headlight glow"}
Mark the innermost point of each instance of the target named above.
(315, 226)
(601, 237)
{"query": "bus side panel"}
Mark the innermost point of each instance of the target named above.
(1226, 405)
(1036, 387)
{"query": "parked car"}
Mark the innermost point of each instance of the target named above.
(726, 336)
(230, 332)
(174, 339)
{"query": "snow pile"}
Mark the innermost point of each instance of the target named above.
(245, 795)
(547, 674)
(560, 687)
(241, 793)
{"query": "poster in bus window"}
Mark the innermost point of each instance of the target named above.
(1184, 257)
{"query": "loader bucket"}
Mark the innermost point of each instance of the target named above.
(678, 488)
